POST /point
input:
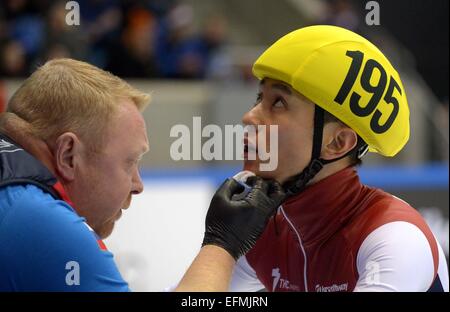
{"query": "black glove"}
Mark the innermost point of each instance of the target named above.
(236, 224)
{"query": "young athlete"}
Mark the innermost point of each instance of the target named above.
(335, 96)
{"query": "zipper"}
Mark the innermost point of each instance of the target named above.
(305, 266)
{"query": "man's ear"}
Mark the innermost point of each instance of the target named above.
(67, 149)
(338, 140)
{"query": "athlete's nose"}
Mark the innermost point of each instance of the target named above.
(253, 116)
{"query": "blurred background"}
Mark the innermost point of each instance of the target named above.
(195, 57)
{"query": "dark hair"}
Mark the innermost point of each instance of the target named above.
(355, 161)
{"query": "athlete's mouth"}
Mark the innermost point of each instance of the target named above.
(249, 147)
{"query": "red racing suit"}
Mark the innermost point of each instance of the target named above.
(341, 235)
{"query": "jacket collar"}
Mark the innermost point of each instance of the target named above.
(17, 166)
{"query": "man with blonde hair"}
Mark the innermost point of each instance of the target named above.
(70, 143)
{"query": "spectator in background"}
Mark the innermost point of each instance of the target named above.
(62, 40)
(341, 13)
(13, 62)
(13, 9)
(144, 39)
(158, 7)
(179, 52)
(134, 54)
(22, 32)
(102, 20)
(214, 39)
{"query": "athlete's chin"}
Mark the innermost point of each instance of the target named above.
(254, 166)
(251, 165)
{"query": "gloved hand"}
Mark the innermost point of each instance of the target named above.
(236, 224)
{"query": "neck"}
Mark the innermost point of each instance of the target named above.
(330, 169)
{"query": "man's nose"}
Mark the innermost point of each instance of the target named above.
(138, 186)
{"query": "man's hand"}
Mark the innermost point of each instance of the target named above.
(236, 224)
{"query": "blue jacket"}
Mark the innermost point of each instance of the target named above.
(44, 244)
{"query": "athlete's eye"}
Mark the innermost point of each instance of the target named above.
(258, 99)
(279, 103)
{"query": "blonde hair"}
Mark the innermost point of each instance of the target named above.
(68, 95)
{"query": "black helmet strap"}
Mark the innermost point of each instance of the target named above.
(298, 182)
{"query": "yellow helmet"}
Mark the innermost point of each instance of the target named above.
(346, 75)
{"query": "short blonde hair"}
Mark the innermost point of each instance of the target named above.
(68, 95)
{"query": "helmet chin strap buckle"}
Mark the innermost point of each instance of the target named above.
(362, 151)
(298, 182)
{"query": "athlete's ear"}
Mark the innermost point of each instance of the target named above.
(67, 151)
(338, 140)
